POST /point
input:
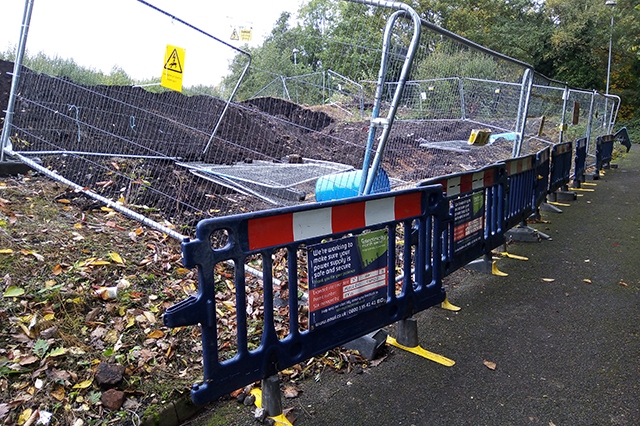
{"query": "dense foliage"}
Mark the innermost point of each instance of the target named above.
(563, 39)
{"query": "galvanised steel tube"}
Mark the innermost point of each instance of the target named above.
(368, 177)
(24, 31)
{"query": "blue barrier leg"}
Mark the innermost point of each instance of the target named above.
(407, 334)
(271, 398)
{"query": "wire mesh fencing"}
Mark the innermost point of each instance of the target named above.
(315, 100)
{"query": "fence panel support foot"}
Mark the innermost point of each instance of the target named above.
(369, 344)
(448, 306)
(408, 341)
(527, 234)
(486, 264)
(550, 207)
(269, 399)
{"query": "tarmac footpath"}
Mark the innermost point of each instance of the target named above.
(562, 330)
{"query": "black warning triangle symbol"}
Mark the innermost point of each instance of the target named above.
(173, 63)
(234, 35)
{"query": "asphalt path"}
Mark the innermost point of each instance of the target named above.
(556, 342)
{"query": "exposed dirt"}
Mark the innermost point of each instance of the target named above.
(259, 129)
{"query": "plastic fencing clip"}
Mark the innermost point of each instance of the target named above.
(380, 122)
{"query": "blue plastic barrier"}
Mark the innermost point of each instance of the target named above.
(604, 152)
(543, 167)
(522, 178)
(476, 201)
(342, 241)
(622, 136)
(560, 173)
(580, 163)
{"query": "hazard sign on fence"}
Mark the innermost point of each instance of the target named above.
(245, 34)
(173, 68)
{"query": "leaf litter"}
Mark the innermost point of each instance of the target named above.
(93, 286)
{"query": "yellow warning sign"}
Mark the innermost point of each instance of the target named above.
(234, 35)
(173, 68)
(245, 34)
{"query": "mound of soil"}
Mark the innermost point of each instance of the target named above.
(137, 136)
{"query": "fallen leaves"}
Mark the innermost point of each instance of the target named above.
(490, 365)
(13, 291)
(291, 391)
(58, 264)
(116, 258)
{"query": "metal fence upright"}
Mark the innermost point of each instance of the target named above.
(22, 45)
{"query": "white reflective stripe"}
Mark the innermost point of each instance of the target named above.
(312, 223)
(379, 211)
(478, 180)
(453, 186)
(513, 167)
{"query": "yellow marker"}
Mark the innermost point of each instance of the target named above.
(496, 271)
(422, 352)
(280, 419)
(245, 34)
(173, 68)
(513, 256)
(448, 306)
(479, 137)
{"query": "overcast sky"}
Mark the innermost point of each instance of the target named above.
(101, 34)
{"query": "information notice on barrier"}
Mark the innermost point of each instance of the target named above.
(469, 221)
(346, 277)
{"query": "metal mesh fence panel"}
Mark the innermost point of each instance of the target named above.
(302, 110)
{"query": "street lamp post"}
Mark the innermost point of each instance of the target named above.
(613, 4)
(295, 55)
(607, 123)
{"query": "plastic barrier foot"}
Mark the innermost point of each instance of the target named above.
(589, 184)
(513, 256)
(448, 306)
(369, 344)
(486, 264)
(584, 189)
(496, 271)
(271, 388)
(408, 341)
(551, 207)
(563, 196)
(526, 234)
(422, 352)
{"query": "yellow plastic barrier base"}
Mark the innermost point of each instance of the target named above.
(583, 189)
(496, 271)
(448, 306)
(555, 203)
(422, 352)
(513, 256)
(589, 184)
(280, 419)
